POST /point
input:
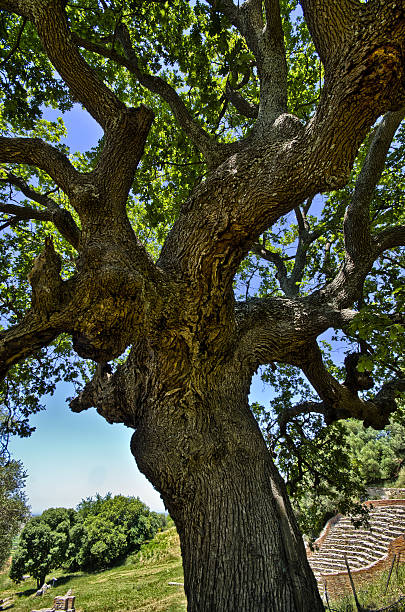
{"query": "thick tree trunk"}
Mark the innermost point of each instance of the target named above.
(240, 543)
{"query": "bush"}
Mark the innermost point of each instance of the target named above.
(101, 532)
(401, 479)
(108, 529)
(163, 547)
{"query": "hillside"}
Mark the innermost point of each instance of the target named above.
(140, 584)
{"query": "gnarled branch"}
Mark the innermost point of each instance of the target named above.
(103, 393)
(244, 107)
(389, 238)
(361, 247)
(36, 152)
(109, 392)
(61, 218)
(341, 401)
(269, 328)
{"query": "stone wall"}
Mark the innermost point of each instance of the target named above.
(61, 602)
(339, 584)
(383, 493)
(324, 534)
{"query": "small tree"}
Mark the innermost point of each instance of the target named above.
(43, 545)
(108, 529)
(13, 507)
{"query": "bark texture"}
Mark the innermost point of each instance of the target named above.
(193, 349)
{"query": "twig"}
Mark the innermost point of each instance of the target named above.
(16, 45)
(327, 598)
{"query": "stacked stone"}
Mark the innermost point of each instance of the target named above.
(368, 551)
(61, 602)
(66, 603)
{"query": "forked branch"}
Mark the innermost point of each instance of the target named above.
(357, 219)
(36, 152)
(361, 247)
(50, 21)
(341, 401)
(265, 39)
(60, 217)
(329, 24)
(268, 328)
(204, 142)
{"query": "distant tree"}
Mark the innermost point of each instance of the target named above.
(13, 505)
(109, 528)
(92, 505)
(352, 457)
(43, 544)
(327, 469)
(377, 456)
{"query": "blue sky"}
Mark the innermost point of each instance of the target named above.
(73, 456)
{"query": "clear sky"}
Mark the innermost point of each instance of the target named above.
(73, 456)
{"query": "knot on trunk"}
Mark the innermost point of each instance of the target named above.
(45, 279)
(102, 393)
(383, 74)
(86, 349)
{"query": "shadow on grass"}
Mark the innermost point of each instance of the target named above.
(64, 579)
(25, 593)
(59, 583)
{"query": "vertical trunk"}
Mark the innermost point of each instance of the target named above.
(41, 581)
(241, 550)
(240, 543)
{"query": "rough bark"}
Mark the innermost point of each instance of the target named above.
(184, 386)
(201, 447)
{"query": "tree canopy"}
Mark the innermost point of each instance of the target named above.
(245, 198)
(102, 531)
(42, 545)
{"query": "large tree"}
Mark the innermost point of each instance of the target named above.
(265, 114)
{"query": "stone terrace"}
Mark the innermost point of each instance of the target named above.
(363, 547)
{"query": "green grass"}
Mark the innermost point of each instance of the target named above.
(373, 594)
(141, 584)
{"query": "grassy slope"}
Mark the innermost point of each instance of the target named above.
(140, 584)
